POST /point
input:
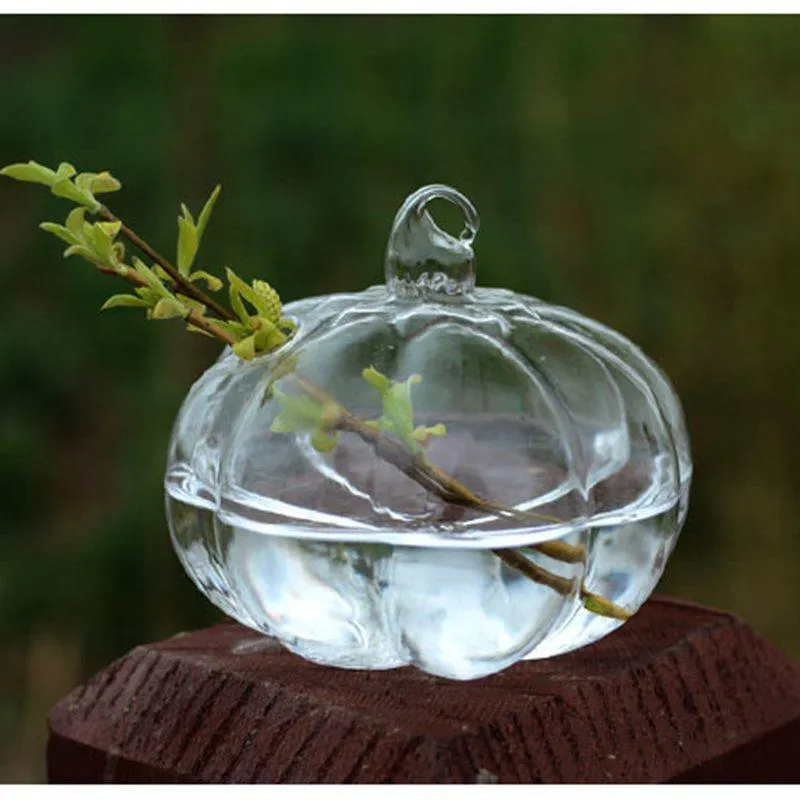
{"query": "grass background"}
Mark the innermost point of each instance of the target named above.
(644, 170)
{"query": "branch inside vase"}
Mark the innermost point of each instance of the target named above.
(420, 469)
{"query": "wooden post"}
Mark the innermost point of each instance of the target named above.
(681, 693)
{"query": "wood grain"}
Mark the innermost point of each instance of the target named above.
(680, 693)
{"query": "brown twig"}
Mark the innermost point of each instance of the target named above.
(185, 286)
(199, 321)
(518, 561)
(564, 586)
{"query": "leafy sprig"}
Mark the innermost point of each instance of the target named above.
(260, 329)
(190, 234)
(65, 182)
(255, 325)
(398, 412)
(303, 415)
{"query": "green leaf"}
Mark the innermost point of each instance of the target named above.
(212, 281)
(84, 182)
(233, 328)
(76, 220)
(99, 241)
(398, 414)
(376, 379)
(117, 255)
(148, 295)
(30, 173)
(105, 182)
(282, 424)
(267, 336)
(80, 250)
(246, 348)
(241, 287)
(150, 277)
(188, 242)
(267, 341)
(397, 403)
(168, 308)
(111, 229)
(261, 296)
(324, 442)
(422, 434)
(234, 281)
(120, 300)
(190, 235)
(59, 230)
(202, 220)
(65, 171)
(195, 329)
(91, 183)
(67, 189)
(299, 414)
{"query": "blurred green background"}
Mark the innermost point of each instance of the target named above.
(645, 171)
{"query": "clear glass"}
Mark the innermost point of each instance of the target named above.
(565, 447)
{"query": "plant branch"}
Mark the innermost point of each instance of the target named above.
(183, 284)
(429, 476)
(564, 586)
(194, 316)
(199, 321)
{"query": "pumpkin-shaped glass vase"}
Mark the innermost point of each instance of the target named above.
(430, 473)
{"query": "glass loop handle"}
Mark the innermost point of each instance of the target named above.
(423, 260)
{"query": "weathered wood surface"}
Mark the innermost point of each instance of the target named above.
(680, 693)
